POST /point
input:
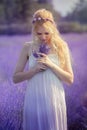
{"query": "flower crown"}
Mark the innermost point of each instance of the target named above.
(40, 19)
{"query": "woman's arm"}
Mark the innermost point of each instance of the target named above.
(65, 74)
(19, 74)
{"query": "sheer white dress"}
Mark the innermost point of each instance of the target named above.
(44, 106)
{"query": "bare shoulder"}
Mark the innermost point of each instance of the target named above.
(27, 44)
(23, 57)
(27, 47)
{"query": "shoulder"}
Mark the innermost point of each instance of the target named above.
(27, 49)
(27, 46)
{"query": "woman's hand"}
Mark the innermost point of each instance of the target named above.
(44, 60)
(39, 67)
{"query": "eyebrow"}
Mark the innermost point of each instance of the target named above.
(46, 32)
(39, 33)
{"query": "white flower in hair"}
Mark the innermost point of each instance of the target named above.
(39, 18)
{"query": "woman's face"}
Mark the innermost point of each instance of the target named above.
(43, 35)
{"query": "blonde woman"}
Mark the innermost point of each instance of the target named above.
(49, 66)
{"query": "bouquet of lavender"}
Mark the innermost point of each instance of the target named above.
(44, 48)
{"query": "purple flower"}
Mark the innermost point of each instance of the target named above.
(44, 48)
(35, 54)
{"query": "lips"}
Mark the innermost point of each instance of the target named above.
(44, 41)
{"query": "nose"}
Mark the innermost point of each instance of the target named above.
(43, 37)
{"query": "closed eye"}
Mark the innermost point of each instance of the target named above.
(46, 33)
(39, 33)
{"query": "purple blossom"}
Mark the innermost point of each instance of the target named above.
(44, 48)
(35, 54)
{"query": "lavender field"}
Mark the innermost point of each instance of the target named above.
(12, 95)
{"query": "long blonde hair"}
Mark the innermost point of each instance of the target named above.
(48, 22)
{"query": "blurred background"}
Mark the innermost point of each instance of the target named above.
(15, 29)
(16, 15)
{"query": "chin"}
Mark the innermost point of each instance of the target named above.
(44, 42)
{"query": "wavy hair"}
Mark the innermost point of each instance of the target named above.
(57, 42)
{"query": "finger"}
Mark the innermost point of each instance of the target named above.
(40, 61)
(43, 65)
(43, 68)
(41, 54)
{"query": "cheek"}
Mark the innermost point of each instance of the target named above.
(38, 36)
(49, 37)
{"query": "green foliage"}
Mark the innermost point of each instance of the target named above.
(1, 1)
(82, 15)
(17, 15)
(2, 17)
(67, 27)
(14, 10)
(22, 28)
(21, 9)
(79, 13)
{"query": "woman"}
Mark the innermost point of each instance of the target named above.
(49, 66)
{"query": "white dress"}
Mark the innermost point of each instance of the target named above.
(44, 106)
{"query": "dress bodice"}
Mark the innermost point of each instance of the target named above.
(52, 57)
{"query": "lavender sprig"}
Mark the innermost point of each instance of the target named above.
(35, 54)
(44, 48)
